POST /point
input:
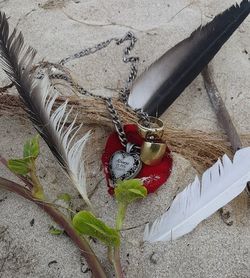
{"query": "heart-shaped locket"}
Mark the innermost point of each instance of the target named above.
(124, 165)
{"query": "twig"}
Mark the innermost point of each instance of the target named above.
(222, 112)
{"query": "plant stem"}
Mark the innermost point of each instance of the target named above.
(60, 219)
(114, 254)
(37, 190)
(120, 215)
(117, 263)
(114, 258)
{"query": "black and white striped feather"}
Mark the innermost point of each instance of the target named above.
(39, 98)
(159, 86)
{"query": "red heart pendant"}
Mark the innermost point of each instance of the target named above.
(152, 176)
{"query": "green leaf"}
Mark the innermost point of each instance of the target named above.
(19, 166)
(128, 191)
(54, 231)
(138, 192)
(87, 224)
(31, 148)
(65, 197)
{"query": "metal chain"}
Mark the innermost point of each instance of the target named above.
(124, 93)
(118, 126)
(87, 51)
(115, 118)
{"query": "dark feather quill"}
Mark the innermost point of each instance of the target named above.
(38, 98)
(158, 87)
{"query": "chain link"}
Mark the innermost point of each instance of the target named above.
(124, 93)
(87, 51)
(118, 126)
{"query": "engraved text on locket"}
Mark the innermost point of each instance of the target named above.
(124, 165)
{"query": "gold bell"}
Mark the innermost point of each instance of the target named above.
(153, 148)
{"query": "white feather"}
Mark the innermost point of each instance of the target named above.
(220, 184)
(70, 152)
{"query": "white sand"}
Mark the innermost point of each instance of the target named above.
(213, 249)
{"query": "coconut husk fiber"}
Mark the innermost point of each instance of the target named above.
(200, 148)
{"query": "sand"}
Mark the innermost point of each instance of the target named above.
(59, 28)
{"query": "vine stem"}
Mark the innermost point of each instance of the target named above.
(37, 190)
(115, 253)
(60, 219)
(114, 259)
(117, 263)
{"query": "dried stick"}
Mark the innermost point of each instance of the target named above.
(226, 123)
(220, 109)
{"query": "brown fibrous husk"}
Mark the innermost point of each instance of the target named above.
(200, 148)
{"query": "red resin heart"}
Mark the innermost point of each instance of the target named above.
(152, 176)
